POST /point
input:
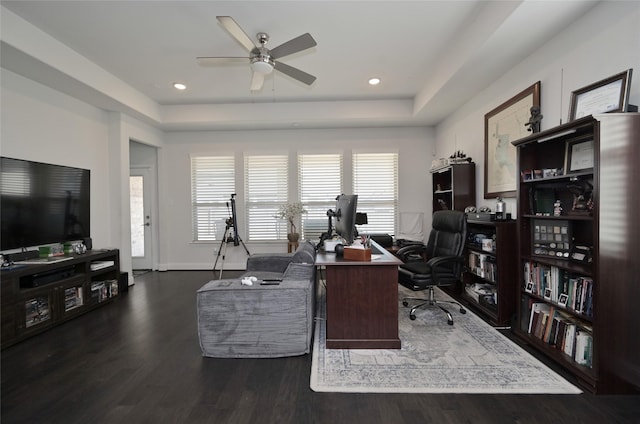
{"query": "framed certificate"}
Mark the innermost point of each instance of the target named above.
(609, 95)
(578, 156)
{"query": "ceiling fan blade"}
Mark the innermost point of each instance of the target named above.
(295, 73)
(256, 81)
(303, 42)
(236, 32)
(215, 61)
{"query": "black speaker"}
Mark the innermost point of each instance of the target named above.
(22, 256)
(339, 250)
(123, 282)
(87, 243)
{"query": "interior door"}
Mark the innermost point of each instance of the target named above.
(141, 222)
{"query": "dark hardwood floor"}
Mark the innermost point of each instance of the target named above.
(137, 360)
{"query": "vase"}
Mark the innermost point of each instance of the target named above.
(293, 237)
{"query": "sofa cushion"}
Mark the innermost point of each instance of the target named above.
(305, 253)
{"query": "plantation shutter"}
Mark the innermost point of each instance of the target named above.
(266, 188)
(375, 181)
(212, 183)
(320, 181)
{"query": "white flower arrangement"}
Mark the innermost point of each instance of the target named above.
(290, 211)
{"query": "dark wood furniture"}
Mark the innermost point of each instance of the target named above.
(362, 300)
(454, 186)
(607, 225)
(37, 297)
(492, 268)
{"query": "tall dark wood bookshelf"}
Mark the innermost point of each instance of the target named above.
(578, 270)
(454, 186)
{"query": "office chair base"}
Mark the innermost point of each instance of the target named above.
(431, 301)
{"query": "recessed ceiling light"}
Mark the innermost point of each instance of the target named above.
(179, 86)
(374, 81)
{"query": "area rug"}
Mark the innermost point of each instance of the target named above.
(468, 357)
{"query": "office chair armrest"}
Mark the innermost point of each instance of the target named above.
(410, 252)
(440, 260)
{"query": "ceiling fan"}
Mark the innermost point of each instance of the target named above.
(262, 60)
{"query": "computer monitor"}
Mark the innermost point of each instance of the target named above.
(345, 217)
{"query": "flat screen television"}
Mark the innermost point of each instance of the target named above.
(345, 221)
(42, 203)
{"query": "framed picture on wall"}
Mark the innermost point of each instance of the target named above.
(609, 95)
(502, 125)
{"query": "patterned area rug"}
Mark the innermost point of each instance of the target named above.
(468, 357)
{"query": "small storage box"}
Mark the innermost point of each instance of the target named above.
(355, 254)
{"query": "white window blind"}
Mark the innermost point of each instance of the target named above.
(212, 183)
(266, 188)
(375, 181)
(320, 181)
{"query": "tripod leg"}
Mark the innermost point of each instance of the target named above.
(222, 245)
(224, 256)
(244, 245)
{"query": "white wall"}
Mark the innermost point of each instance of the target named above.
(602, 43)
(414, 146)
(43, 125)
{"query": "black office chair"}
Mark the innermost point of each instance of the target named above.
(439, 263)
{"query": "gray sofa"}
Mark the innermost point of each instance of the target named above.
(299, 265)
(261, 321)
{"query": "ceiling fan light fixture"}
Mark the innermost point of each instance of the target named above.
(262, 65)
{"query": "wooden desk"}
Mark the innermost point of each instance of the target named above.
(362, 301)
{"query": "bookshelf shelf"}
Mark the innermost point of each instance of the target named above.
(577, 271)
(489, 280)
(38, 297)
(454, 186)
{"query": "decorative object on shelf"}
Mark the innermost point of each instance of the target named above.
(582, 197)
(290, 212)
(502, 126)
(459, 157)
(557, 208)
(607, 95)
(501, 209)
(534, 120)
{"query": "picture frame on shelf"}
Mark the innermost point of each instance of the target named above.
(502, 126)
(563, 299)
(607, 95)
(578, 156)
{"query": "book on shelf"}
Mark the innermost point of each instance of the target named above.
(583, 352)
(559, 287)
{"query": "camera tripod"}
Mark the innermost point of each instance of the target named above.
(226, 239)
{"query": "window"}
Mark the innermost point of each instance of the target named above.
(266, 188)
(320, 181)
(375, 181)
(212, 183)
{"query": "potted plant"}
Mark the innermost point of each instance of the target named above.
(290, 212)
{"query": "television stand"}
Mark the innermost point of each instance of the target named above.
(38, 295)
